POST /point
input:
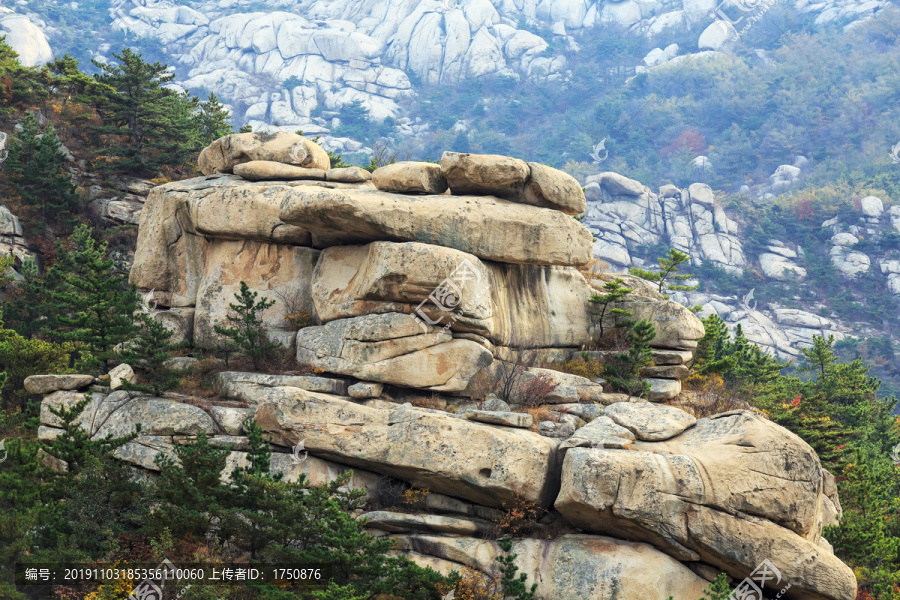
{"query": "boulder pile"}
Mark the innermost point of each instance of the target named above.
(419, 276)
(416, 282)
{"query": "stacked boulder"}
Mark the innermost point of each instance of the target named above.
(417, 281)
(418, 278)
(644, 500)
(624, 214)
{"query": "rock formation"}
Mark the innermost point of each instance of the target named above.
(415, 295)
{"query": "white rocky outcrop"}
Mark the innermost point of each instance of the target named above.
(26, 38)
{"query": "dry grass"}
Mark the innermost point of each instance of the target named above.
(434, 402)
(581, 367)
(475, 585)
(707, 396)
(538, 414)
(594, 269)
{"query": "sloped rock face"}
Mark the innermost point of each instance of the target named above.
(715, 493)
(488, 227)
(571, 566)
(451, 456)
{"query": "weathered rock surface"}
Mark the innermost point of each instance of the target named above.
(262, 170)
(714, 493)
(451, 456)
(46, 384)
(348, 175)
(392, 348)
(511, 305)
(275, 271)
(400, 522)
(487, 227)
(510, 419)
(551, 188)
(409, 177)
(650, 423)
(570, 566)
(484, 174)
(288, 148)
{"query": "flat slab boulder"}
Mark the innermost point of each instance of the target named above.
(348, 175)
(410, 177)
(488, 227)
(587, 567)
(263, 170)
(45, 384)
(443, 453)
(288, 148)
(731, 491)
(392, 348)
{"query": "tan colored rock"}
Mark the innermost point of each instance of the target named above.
(230, 419)
(650, 422)
(267, 170)
(179, 320)
(448, 455)
(247, 212)
(551, 188)
(348, 175)
(511, 305)
(395, 522)
(289, 148)
(586, 567)
(267, 269)
(316, 470)
(364, 390)
(409, 177)
(487, 227)
(45, 384)
(484, 174)
(392, 348)
(120, 374)
(245, 386)
(663, 389)
(602, 432)
(170, 257)
(158, 417)
(497, 417)
(676, 326)
(731, 491)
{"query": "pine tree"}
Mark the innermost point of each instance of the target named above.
(150, 350)
(513, 587)
(669, 267)
(95, 303)
(21, 86)
(215, 120)
(74, 445)
(710, 356)
(37, 171)
(624, 370)
(70, 83)
(153, 125)
(615, 291)
(246, 332)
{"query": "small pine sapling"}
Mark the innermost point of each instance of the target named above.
(615, 291)
(150, 350)
(669, 267)
(624, 370)
(246, 332)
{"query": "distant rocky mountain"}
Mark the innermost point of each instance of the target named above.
(292, 65)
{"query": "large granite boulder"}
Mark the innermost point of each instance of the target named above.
(586, 567)
(446, 454)
(487, 227)
(410, 177)
(289, 148)
(731, 491)
(392, 348)
(510, 305)
(278, 272)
